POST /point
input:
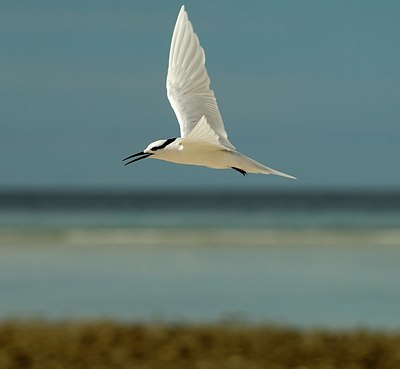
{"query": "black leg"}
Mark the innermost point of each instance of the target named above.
(240, 170)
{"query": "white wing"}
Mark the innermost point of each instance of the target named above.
(188, 84)
(202, 134)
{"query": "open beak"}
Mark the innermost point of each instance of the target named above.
(144, 156)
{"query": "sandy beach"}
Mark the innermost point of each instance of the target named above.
(106, 344)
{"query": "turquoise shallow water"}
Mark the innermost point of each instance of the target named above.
(329, 267)
(50, 219)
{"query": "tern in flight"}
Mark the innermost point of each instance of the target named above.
(203, 140)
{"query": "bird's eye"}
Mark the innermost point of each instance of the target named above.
(154, 148)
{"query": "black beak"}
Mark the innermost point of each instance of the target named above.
(144, 156)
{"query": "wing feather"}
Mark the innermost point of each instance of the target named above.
(202, 134)
(188, 84)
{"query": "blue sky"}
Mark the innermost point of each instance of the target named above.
(311, 88)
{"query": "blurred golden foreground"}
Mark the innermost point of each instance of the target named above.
(104, 344)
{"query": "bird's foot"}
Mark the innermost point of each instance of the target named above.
(240, 170)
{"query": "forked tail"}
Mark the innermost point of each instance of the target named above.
(249, 165)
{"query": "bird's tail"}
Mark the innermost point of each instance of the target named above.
(251, 166)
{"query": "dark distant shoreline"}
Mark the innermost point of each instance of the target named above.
(218, 199)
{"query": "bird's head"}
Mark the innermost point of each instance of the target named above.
(152, 149)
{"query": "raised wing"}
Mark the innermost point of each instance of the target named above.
(188, 84)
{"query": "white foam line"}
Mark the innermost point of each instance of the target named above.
(198, 237)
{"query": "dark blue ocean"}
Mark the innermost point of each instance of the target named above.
(305, 259)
